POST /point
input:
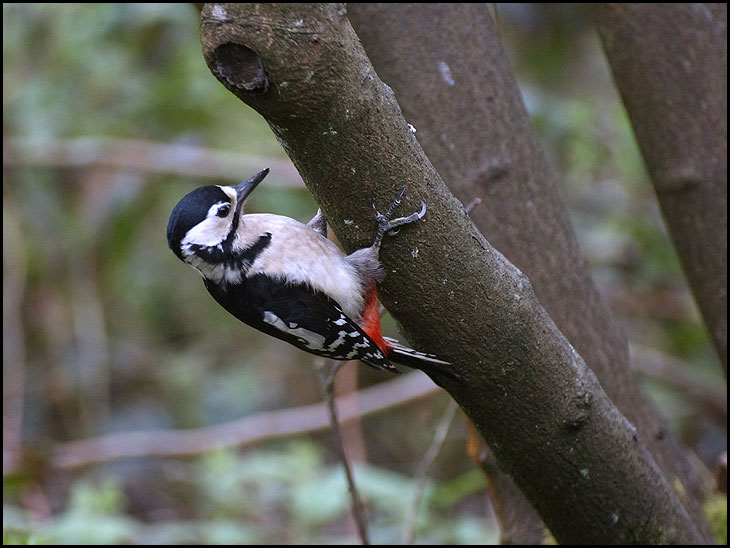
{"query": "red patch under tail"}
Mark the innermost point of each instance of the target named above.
(371, 320)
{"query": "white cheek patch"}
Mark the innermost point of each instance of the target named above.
(210, 232)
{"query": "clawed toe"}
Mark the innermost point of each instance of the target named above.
(389, 226)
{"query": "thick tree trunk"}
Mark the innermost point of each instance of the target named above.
(670, 65)
(452, 79)
(543, 412)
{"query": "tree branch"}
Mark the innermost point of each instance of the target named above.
(527, 391)
(446, 64)
(669, 62)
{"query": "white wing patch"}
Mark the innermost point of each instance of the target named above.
(311, 340)
(318, 343)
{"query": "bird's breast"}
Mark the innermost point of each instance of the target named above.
(298, 254)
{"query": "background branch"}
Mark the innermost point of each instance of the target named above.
(242, 432)
(143, 155)
(669, 62)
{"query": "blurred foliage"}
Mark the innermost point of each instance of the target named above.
(243, 499)
(716, 512)
(117, 69)
(105, 331)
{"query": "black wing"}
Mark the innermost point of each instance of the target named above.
(299, 315)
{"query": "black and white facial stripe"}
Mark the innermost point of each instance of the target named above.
(204, 232)
(207, 202)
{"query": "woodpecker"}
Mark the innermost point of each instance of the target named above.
(287, 279)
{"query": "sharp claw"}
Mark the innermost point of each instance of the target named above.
(391, 227)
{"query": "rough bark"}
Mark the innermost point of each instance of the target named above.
(453, 82)
(669, 62)
(543, 412)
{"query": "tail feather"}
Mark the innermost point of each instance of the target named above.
(428, 363)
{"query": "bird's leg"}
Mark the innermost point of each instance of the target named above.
(389, 225)
(319, 223)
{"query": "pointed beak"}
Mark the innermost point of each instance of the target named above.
(247, 187)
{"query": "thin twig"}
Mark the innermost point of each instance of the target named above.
(14, 350)
(675, 372)
(422, 472)
(326, 372)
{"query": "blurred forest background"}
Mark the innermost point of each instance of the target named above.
(110, 116)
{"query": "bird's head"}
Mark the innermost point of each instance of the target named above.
(203, 224)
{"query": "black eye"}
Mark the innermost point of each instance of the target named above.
(224, 210)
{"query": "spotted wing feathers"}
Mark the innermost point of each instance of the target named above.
(295, 313)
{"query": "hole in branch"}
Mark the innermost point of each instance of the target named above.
(239, 68)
